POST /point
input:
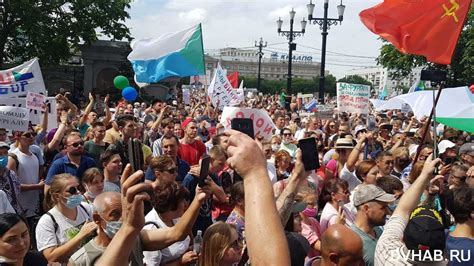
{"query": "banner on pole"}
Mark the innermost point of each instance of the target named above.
(19, 80)
(353, 98)
(35, 116)
(14, 118)
(262, 123)
(220, 90)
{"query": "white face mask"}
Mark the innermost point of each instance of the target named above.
(275, 147)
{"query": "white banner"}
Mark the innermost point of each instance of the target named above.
(353, 98)
(262, 123)
(14, 118)
(220, 90)
(36, 117)
(18, 81)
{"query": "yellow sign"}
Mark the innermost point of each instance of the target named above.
(452, 10)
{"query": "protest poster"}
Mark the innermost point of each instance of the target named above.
(186, 96)
(19, 80)
(35, 101)
(325, 111)
(14, 118)
(220, 90)
(36, 117)
(353, 98)
(262, 123)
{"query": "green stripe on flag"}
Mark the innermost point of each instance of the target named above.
(465, 124)
(193, 52)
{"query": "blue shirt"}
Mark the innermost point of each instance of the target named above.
(462, 247)
(64, 165)
(183, 169)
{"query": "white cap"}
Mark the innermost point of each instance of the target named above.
(445, 144)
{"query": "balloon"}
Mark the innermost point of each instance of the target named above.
(121, 82)
(129, 94)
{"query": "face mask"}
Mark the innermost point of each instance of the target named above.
(392, 206)
(275, 147)
(74, 201)
(310, 212)
(111, 228)
(3, 161)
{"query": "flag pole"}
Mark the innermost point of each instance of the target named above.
(427, 126)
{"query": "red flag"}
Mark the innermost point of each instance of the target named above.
(234, 79)
(430, 28)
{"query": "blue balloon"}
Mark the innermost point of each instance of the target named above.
(129, 94)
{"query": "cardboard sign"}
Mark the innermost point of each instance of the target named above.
(262, 123)
(220, 90)
(35, 116)
(35, 101)
(353, 98)
(19, 80)
(14, 118)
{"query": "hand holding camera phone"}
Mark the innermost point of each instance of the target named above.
(244, 125)
(309, 153)
(204, 170)
(135, 154)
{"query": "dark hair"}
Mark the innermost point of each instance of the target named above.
(160, 162)
(331, 186)
(90, 175)
(170, 137)
(382, 154)
(236, 193)
(168, 195)
(217, 139)
(123, 119)
(389, 184)
(278, 115)
(8, 220)
(107, 156)
(98, 124)
(166, 121)
(156, 101)
(283, 130)
(364, 168)
(460, 203)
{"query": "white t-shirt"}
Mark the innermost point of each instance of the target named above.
(47, 236)
(5, 206)
(168, 254)
(271, 171)
(350, 177)
(329, 216)
(28, 173)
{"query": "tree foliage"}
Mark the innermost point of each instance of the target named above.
(460, 71)
(53, 29)
(355, 79)
(298, 85)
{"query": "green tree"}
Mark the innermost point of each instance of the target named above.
(460, 71)
(52, 30)
(355, 79)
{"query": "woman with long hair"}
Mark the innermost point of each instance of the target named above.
(221, 246)
(93, 183)
(66, 224)
(15, 242)
(334, 196)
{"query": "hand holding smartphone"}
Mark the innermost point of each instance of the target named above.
(135, 154)
(244, 125)
(309, 153)
(204, 170)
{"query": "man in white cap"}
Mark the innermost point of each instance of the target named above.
(447, 151)
(372, 206)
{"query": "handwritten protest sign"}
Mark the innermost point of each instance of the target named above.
(325, 111)
(186, 96)
(36, 117)
(19, 80)
(353, 98)
(262, 123)
(35, 101)
(220, 90)
(14, 118)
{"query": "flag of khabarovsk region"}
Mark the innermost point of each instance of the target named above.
(179, 54)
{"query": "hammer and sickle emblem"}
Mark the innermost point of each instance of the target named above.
(452, 10)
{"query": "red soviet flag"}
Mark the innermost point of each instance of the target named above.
(429, 28)
(234, 79)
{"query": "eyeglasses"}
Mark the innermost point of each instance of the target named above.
(171, 170)
(287, 134)
(77, 144)
(72, 190)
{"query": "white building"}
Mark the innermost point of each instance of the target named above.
(379, 77)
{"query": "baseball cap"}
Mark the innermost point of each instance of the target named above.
(467, 148)
(359, 128)
(444, 145)
(366, 193)
(4, 145)
(425, 230)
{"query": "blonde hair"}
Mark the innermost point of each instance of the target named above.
(57, 186)
(217, 239)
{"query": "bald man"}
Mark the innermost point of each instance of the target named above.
(340, 246)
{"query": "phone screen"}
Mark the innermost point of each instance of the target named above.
(244, 125)
(310, 153)
(204, 172)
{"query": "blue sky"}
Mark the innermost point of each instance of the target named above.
(239, 23)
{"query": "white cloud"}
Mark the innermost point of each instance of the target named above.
(195, 15)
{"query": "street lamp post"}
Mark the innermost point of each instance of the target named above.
(291, 35)
(324, 24)
(260, 54)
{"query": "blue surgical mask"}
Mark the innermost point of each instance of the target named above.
(392, 206)
(74, 200)
(3, 161)
(112, 227)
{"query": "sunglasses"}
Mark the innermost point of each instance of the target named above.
(171, 170)
(77, 144)
(286, 134)
(72, 190)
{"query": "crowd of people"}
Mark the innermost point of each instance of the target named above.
(68, 195)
